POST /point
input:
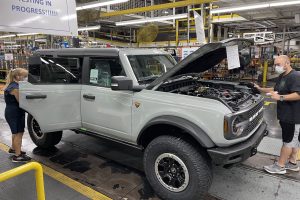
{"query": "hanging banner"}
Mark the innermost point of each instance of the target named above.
(56, 17)
(199, 28)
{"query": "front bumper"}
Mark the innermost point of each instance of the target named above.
(238, 152)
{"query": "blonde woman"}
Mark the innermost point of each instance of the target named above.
(14, 115)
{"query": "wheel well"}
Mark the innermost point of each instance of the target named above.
(29, 114)
(157, 130)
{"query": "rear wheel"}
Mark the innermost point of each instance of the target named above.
(176, 170)
(40, 139)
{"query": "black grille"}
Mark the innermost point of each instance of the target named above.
(255, 122)
(254, 110)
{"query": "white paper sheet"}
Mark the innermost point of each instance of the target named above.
(94, 76)
(233, 57)
(9, 56)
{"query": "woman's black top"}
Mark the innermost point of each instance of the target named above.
(14, 115)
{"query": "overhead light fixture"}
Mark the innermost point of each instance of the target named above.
(89, 28)
(26, 34)
(154, 19)
(229, 19)
(99, 4)
(239, 8)
(284, 3)
(9, 42)
(7, 36)
(254, 6)
(41, 40)
(19, 34)
(68, 17)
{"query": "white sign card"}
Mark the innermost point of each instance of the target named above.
(8, 56)
(56, 17)
(187, 51)
(233, 57)
(94, 76)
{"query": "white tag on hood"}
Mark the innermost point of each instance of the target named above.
(233, 57)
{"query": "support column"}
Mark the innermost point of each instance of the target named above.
(111, 33)
(33, 40)
(225, 33)
(51, 41)
(145, 5)
(130, 38)
(265, 72)
(211, 33)
(174, 13)
(283, 39)
(210, 25)
(152, 12)
(188, 31)
(203, 18)
(177, 32)
(288, 46)
(203, 13)
(219, 33)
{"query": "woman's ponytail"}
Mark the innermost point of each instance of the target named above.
(9, 78)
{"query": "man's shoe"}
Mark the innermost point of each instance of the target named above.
(275, 169)
(292, 167)
(20, 158)
(12, 151)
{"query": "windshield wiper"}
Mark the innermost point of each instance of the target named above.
(148, 78)
(183, 77)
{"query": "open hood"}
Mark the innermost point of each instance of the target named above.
(203, 59)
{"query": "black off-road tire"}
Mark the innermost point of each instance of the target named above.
(197, 164)
(40, 139)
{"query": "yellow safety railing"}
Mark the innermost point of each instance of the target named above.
(39, 178)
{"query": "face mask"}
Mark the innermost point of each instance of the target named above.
(279, 69)
(24, 79)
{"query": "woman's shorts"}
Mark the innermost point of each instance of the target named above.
(15, 118)
(290, 134)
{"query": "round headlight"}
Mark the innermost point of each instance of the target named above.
(237, 127)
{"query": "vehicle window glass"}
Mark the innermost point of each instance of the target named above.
(150, 67)
(101, 71)
(55, 71)
(34, 75)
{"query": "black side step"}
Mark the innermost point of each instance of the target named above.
(97, 135)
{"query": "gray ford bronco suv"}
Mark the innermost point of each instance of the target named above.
(183, 122)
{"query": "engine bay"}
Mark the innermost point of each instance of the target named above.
(235, 95)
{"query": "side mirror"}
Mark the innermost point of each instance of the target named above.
(121, 83)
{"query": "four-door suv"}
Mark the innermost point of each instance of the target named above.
(181, 121)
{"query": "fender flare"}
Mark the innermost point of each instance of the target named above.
(195, 131)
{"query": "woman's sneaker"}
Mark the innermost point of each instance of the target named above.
(292, 167)
(20, 158)
(12, 151)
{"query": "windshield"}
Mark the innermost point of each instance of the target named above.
(149, 67)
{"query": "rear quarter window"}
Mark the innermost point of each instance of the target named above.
(55, 71)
